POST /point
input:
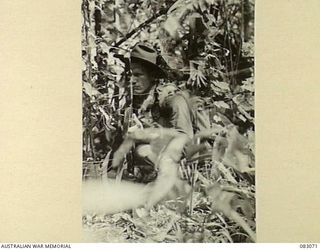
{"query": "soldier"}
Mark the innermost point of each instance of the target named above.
(155, 106)
(172, 106)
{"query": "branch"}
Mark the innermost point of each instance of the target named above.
(141, 26)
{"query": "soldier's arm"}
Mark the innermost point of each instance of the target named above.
(181, 116)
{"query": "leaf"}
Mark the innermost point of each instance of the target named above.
(217, 119)
(141, 212)
(180, 11)
(244, 101)
(222, 85)
(237, 154)
(248, 85)
(245, 205)
(90, 90)
(164, 233)
(172, 25)
(243, 118)
(209, 133)
(226, 173)
(197, 76)
(222, 104)
(105, 162)
(245, 113)
(222, 201)
(219, 148)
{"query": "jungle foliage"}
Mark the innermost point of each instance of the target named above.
(207, 47)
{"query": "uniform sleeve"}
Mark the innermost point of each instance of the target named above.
(181, 116)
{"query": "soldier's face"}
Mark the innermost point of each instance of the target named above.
(142, 79)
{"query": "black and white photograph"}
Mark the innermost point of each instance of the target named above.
(168, 121)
